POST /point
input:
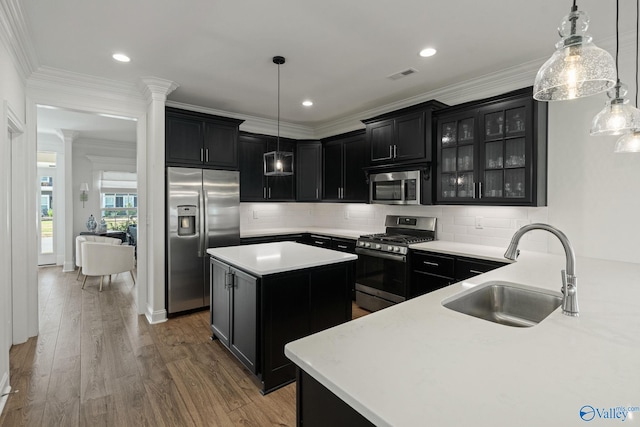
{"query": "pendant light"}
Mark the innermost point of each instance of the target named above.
(278, 163)
(577, 68)
(630, 143)
(618, 116)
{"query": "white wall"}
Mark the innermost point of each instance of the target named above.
(455, 223)
(12, 96)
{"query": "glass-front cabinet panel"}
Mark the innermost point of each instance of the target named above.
(492, 152)
(506, 153)
(456, 158)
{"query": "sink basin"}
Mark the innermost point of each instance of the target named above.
(506, 303)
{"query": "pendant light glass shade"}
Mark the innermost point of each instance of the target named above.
(618, 116)
(278, 163)
(577, 68)
(629, 143)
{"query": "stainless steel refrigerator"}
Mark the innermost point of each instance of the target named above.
(203, 211)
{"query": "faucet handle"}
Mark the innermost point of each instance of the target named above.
(563, 273)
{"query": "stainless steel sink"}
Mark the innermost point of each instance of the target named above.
(506, 303)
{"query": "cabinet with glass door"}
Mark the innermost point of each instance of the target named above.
(493, 152)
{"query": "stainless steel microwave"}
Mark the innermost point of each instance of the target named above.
(395, 188)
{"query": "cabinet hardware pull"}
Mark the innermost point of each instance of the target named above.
(264, 192)
(228, 280)
(476, 271)
(338, 192)
(317, 193)
(202, 154)
(207, 156)
(391, 151)
(480, 190)
(318, 243)
(395, 151)
(269, 192)
(342, 246)
(434, 264)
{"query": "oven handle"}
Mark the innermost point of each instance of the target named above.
(383, 255)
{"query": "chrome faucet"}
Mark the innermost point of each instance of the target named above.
(569, 279)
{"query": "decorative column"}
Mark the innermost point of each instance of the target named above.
(65, 198)
(152, 180)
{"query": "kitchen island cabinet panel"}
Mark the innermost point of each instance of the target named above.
(267, 311)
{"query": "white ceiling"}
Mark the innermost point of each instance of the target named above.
(339, 53)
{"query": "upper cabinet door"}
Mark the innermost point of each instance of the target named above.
(410, 141)
(381, 139)
(355, 188)
(195, 139)
(183, 140)
(308, 171)
(220, 145)
(332, 167)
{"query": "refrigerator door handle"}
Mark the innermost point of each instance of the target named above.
(201, 210)
(205, 224)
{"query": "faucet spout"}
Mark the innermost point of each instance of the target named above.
(569, 279)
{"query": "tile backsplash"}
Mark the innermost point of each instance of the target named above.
(484, 225)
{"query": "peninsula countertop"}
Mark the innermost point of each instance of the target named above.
(271, 258)
(419, 363)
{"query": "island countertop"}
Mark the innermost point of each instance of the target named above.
(419, 363)
(271, 258)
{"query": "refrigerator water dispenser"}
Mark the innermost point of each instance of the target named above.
(187, 220)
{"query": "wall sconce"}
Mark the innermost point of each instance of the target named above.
(84, 193)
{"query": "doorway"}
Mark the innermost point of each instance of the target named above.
(47, 180)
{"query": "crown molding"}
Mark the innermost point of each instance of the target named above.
(67, 134)
(156, 87)
(100, 144)
(15, 35)
(254, 124)
(112, 163)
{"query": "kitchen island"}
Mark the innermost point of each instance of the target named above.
(266, 295)
(419, 363)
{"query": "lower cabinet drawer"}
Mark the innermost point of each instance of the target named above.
(433, 264)
(321, 241)
(423, 283)
(466, 268)
(343, 245)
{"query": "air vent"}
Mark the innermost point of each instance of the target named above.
(403, 73)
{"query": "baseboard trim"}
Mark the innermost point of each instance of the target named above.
(157, 316)
(68, 266)
(4, 389)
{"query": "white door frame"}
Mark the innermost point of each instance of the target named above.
(48, 258)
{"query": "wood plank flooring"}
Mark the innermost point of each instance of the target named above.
(97, 363)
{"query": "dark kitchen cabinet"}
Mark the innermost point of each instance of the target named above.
(432, 271)
(308, 171)
(343, 159)
(255, 317)
(403, 136)
(195, 139)
(254, 186)
(299, 238)
(233, 311)
(493, 152)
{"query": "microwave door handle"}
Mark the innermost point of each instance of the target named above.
(403, 189)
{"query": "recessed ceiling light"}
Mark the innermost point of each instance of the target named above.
(121, 57)
(307, 103)
(427, 52)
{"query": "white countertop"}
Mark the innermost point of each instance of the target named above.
(418, 363)
(270, 258)
(491, 253)
(333, 232)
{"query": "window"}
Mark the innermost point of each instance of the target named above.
(119, 210)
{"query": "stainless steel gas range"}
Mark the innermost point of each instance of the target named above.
(383, 267)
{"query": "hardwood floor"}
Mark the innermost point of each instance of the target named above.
(97, 363)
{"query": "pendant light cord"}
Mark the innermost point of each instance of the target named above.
(278, 139)
(617, 44)
(637, 24)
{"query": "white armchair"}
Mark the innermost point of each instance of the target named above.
(91, 238)
(99, 259)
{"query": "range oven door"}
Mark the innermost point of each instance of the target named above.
(382, 275)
